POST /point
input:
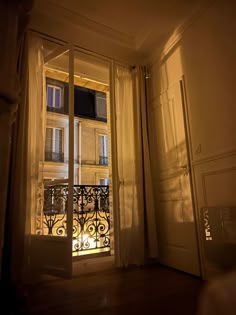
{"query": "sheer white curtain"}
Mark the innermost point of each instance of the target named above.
(135, 232)
(36, 132)
(130, 233)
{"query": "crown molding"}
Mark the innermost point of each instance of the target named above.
(71, 17)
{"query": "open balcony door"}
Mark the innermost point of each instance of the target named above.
(51, 223)
(177, 231)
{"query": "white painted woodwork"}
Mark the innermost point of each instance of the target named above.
(80, 143)
(53, 254)
(215, 185)
(204, 54)
(48, 256)
(176, 222)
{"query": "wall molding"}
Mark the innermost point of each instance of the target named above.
(213, 157)
(209, 173)
(71, 17)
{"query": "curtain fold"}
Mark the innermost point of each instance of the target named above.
(15, 17)
(25, 191)
(36, 134)
(139, 74)
(131, 225)
(18, 178)
(136, 227)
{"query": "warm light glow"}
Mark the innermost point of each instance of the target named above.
(92, 246)
(50, 68)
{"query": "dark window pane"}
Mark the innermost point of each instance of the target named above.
(49, 96)
(57, 98)
(84, 102)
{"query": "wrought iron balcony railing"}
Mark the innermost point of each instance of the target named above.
(103, 160)
(54, 156)
(91, 216)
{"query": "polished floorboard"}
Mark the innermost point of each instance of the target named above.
(145, 290)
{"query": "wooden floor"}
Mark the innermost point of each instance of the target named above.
(147, 290)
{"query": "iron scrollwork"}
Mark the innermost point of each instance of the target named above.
(91, 216)
(55, 209)
(91, 220)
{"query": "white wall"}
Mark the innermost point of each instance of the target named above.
(205, 56)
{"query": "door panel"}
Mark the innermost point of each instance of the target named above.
(177, 234)
(51, 211)
(49, 255)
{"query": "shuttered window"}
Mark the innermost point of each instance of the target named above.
(103, 149)
(53, 145)
(101, 105)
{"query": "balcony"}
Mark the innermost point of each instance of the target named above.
(91, 216)
(54, 156)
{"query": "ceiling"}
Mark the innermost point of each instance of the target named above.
(136, 25)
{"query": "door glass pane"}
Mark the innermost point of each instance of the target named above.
(55, 170)
(91, 99)
(52, 188)
(50, 195)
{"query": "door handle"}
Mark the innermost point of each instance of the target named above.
(185, 169)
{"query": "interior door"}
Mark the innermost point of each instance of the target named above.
(51, 217)
(177, 233)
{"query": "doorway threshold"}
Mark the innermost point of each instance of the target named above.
(92, 263)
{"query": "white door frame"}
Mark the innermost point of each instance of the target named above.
(196, 213)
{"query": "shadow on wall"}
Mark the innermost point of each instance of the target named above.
(205, 89)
